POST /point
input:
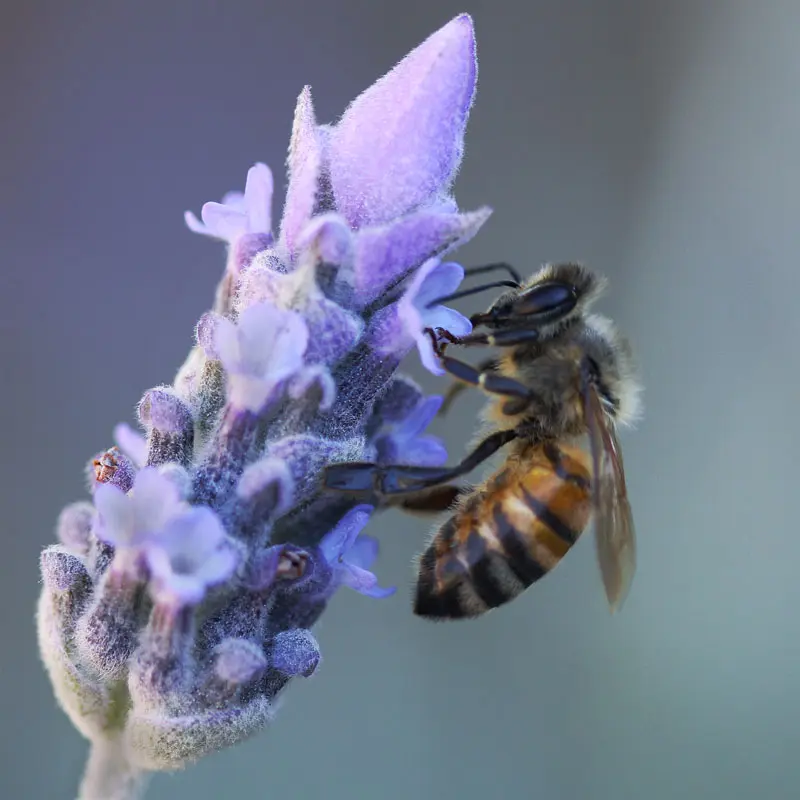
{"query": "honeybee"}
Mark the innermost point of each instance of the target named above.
(563, 375)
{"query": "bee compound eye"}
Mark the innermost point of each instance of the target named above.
(551, 299)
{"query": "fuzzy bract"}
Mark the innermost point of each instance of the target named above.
(179, 602)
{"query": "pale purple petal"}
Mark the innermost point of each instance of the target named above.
(442, 280)
(447, 318)
(428, 357)
(194, 224)
(188, 556)
(133, 444)
(384, 254)
(258, 199)
(217, 567)
(289, 345)
(117, 523)
(225, 343)
(155, 500)
(330, 237)
(399, 144)
(318, 375)
(364, 552)
(364, 582)
(234, 199)
(419, 418)
(256, 330)
(304, 162)
(336, 544)
(223, 221)
(423, 451)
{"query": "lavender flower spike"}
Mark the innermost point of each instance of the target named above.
(179, 603)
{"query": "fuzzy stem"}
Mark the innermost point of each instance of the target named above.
(109, 775)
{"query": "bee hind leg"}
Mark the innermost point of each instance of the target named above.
(382, 483)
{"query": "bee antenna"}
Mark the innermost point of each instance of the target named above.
(473, 290)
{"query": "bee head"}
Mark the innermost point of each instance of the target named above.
(614, 369)
(552, 298)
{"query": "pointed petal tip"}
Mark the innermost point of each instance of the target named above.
(400, 142)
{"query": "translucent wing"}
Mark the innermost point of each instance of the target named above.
(615, 536)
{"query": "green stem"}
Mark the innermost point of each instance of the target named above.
(109, 775)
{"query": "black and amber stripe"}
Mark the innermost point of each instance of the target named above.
(506, 536)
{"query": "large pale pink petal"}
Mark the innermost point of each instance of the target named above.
(399, 144)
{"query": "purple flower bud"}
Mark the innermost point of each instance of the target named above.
(317, 378)
(66, 579)
(170, 427)
(238, 661)
(74, 527)
(295, 652)
(106, 633)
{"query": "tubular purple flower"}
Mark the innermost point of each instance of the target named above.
(263, 349)
(404, 441)
(350, 558)
(238, 214)
(129, 521)
(402, 324)
(187, 557)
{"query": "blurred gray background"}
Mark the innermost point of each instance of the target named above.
(657, 142)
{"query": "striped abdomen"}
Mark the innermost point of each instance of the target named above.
(507, 535)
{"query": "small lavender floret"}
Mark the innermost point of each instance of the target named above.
(404, 323)
(405, 441)
(188, 557)
(295, 652)
(179, 604)
(265, 347)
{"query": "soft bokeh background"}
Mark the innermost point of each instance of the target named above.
(657, 142)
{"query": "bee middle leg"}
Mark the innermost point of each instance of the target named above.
(457, 387)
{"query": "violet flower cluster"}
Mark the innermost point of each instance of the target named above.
(180, 601)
